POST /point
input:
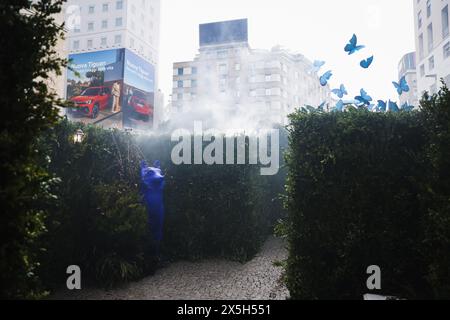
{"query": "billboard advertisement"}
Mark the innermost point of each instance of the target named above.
(224, 32)
(113, 88)
(95, 86)
(139, 92)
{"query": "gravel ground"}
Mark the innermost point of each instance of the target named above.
(258, 279)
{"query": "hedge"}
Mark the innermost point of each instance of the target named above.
(369, 189)
(99, 221)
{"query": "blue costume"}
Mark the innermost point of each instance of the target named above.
(152, 191)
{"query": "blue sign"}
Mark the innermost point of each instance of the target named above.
(139, 73)
(109, 63)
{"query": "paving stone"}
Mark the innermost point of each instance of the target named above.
(258, 279)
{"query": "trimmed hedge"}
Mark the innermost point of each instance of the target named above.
(99, 222)
(369, 189)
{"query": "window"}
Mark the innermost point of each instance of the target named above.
(104, 24)
(179, 96)
(421, 47)
(431, 63)
(119, 5)
(180, 71)
(223, 82)
(194, 70)
(193, 83)
(91, 9)
(118, 22)
(419, 19)
(237, 67)
(90, 43)
(447, 50)
(428, 8)
(103, 41)
(77, 29)
(430, 37)
(180, 84)
(118, 39)
(90, 26)
(76, 45)
(222, 54)
(223, 69)
(105, 7)
(422, 70)
(445, 28)
(433, 89)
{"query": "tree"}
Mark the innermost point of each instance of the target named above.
(28, 57)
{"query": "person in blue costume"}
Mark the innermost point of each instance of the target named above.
(152, 188)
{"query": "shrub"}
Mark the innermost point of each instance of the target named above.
(359, 190)
(99, 222)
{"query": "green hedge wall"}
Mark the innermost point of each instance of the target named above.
(362, 190)
(99, 222)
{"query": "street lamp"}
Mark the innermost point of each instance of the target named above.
(78, 136)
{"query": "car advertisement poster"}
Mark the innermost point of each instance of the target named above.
(95, 87)
(139, 92)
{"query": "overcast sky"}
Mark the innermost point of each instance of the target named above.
(319, 29)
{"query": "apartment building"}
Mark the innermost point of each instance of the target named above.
(407, 69)
(432, 44)
(96, 25)
(228, 72)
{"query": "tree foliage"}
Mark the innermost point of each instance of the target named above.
(28, 57)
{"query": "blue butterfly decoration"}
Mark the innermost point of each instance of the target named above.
(339, 105)
(407, 107)
(317, 65)
(341, 92)
(393, 107)
(382, 106)
(366, 63)
(320, 107)
(352, 46)
(325, 77)
(364, 98)
(402, 86)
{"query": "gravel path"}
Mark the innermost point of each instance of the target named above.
(258, 279)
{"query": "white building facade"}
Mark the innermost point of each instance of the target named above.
(432, 44)
(230, 73)
(407, 68)
(96, 25)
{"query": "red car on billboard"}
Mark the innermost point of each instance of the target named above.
(91, 101)
(140, 105)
